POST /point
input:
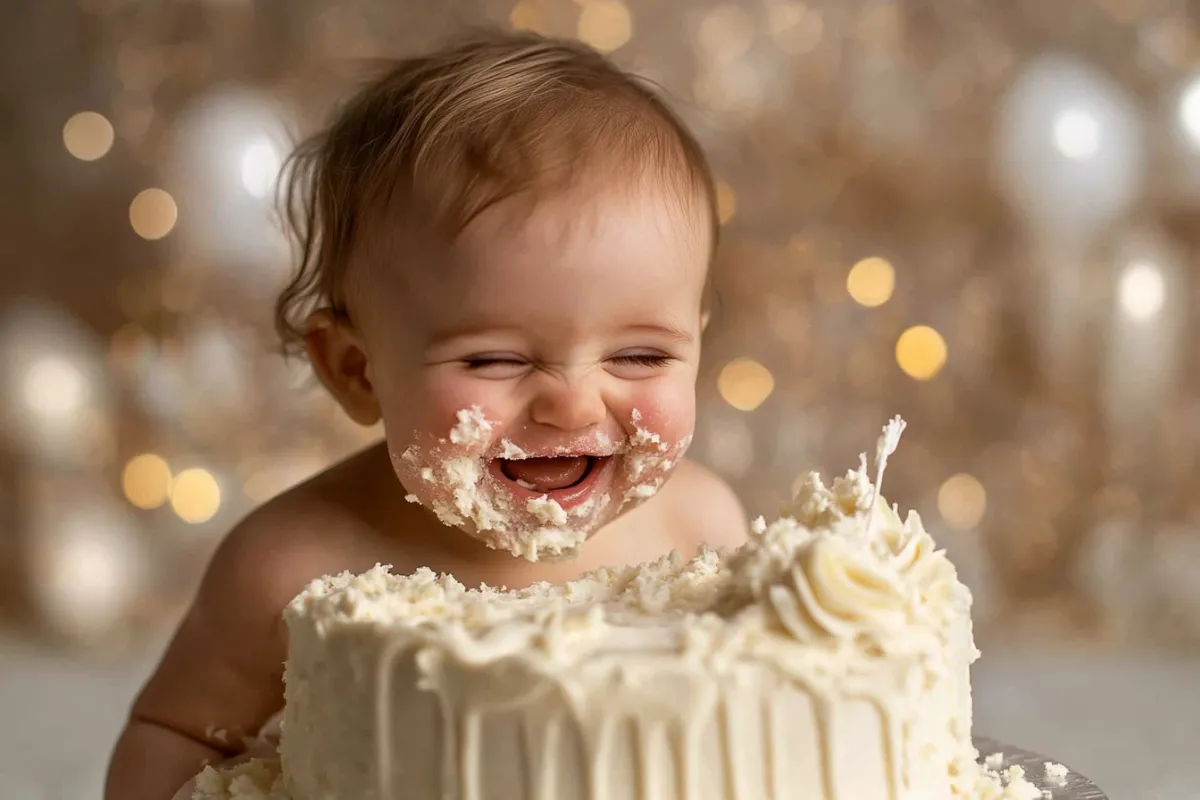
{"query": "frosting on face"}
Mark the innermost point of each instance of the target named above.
(459, 479)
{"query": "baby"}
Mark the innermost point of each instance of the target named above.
(504, 258)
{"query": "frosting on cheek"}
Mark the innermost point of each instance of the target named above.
(449, 477)
(648, 462)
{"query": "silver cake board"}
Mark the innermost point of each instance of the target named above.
(1073, 787)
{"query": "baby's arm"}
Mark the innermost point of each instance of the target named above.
(220, 678)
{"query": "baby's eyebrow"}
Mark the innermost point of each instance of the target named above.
(672, 332)
(448, 334)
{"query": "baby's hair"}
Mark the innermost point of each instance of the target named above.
(437, 139)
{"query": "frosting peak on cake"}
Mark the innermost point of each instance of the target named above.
(828, 571)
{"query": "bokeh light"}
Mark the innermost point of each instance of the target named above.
(54, 387)
(921, 352)
(88, 135)
(1142, 290)
(527, 15)
(87, 566)
(153, 214)
(1189, 111)
(962, 501)
(260, 167)
(195, 495)
(871, 282)
(1076, 134)
(146, 481)
(606, 25)
(745, 384)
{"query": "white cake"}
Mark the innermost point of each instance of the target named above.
(827, 659)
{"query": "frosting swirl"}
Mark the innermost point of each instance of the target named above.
(818, 574)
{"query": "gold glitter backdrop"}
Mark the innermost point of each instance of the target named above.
(978, 215)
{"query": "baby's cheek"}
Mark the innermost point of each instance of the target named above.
(444, 396)
(669, 411)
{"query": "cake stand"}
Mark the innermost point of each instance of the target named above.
(1073, 787)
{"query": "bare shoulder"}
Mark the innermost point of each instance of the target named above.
(221, 677)
(704, 509)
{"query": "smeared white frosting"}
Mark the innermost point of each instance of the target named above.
(460, 490)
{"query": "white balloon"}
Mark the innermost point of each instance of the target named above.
(1182, 179)
(1069, 149)
(54, 388)
(1147, 334)
(88, 564)
(224, 170)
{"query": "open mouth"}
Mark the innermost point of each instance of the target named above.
(563, 478)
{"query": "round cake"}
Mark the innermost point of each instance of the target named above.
(826, 659)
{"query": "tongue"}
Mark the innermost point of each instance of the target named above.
(546, 474)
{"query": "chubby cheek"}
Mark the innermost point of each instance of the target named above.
(422, 415)
(666, 408)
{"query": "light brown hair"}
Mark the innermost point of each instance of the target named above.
(436, 139)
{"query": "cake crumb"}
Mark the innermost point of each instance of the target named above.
(1056, 773)
(255, 779)
(994, 761)
(472, 427)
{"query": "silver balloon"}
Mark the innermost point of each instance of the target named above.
(1069, 149)
(1069, 153)
(224, 169)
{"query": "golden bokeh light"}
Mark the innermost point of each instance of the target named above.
(153, 214)
(745, 384)
(195, 495)
(527, 15)
(146, 481)
(962, 501)
(606, 25)
(726, 202)
(88, 135)
(921, 352)
(871, 282)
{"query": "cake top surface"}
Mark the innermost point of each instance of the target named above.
(838, 568)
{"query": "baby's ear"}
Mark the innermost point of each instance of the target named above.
(340, 360)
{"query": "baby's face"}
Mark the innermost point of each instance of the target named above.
(538, 378)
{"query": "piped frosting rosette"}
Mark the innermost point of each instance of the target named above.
(831, 571)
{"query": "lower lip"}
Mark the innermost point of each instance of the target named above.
(567, 498)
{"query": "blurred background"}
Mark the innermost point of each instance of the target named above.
(981, 216)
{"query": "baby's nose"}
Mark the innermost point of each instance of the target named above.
(569, 404)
